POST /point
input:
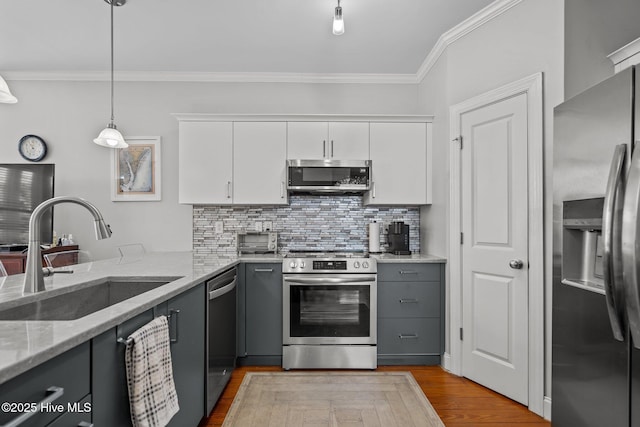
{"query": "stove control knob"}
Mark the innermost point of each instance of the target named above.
(293, 264)
(301, 264)
(365, 264)
(356, 264)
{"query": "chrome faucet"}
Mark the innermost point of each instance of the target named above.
(34, 278)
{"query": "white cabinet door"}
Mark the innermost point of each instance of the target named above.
(348, 141)
(204, 162)
(399, 164)
(307, 140)
(259, 155)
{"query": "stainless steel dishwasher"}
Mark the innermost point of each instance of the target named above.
(221, 334)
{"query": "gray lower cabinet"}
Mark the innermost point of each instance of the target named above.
(187, 331)
(68, 373)
(410, 313)
(262, 311)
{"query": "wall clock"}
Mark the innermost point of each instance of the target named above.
(32, 148)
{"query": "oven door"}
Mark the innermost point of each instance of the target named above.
(329, 309)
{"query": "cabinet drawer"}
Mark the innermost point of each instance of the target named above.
(79, 416)
(69, 371)
(410, 272)
(409, 336)
(409, 299)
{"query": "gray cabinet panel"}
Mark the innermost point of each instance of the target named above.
(409, 299)
(108, 375)
(263, 289)
(109, 378)
(409, 336)
(408, 272)
(187, 328)
(69, 370)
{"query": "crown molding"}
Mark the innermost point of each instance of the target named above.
(381, 118)
(171, 76)
(475, 21)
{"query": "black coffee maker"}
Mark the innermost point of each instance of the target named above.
(398, 238)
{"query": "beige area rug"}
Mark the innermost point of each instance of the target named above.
(336, 399)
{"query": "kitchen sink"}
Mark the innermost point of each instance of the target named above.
(85, 300)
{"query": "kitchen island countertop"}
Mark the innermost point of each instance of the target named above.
(26, 344)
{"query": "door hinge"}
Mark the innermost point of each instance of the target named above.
(461, 238)
(458, 139)
(461, 334)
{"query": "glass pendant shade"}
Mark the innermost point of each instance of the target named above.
(5, 94)
(338, 22)
(111, 137)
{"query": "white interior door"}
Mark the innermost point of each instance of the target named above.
(495, 241)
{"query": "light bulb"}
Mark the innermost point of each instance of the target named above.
(338, 22)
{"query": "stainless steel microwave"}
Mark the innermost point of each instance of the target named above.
(329, 176)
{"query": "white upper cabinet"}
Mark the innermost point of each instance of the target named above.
(259, 169)
(328, 140)
(348, 141)
(205, 171)
(399, 164)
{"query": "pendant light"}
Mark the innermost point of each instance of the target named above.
(110, 136)
(5, 94)
(338, 22)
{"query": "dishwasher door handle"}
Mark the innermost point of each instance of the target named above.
(223, 290)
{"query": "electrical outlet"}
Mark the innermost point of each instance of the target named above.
(267, 225)
(218, 227)
(258, 226)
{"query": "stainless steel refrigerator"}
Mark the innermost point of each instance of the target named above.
(596, 248)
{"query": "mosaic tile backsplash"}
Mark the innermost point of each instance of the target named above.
(308, 222)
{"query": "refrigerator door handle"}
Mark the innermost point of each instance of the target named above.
(630, 248)
(611, 237)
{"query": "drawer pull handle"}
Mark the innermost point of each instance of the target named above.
(53, 393)
(408, 301)
(85, 424)
(263, 270)
(408, 336)
(408, 272)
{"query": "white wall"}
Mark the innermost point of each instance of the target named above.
(526, 39)
(68, 115)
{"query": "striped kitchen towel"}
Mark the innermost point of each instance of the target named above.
(152, 392)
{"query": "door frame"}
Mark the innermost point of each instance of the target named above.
(531, 86)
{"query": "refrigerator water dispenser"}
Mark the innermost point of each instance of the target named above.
(582, 244)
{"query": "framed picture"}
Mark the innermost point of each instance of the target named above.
(136, 170)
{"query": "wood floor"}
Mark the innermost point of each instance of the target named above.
(458, 401)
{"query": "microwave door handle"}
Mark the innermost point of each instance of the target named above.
(611, 239)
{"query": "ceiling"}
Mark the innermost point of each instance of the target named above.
(233, 36)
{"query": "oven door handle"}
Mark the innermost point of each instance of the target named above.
(318, 281)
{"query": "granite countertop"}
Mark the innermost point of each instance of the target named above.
(413, 258)
(25, 344)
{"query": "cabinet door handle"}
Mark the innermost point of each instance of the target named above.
(373, 189)
(53, 393)
(263, 270)
(332, 148)
(408, 336)
(282, 189)
(85, 424)
(228, 189)
(408, 272)
(324, 148)
(408, 301)
(174, 314)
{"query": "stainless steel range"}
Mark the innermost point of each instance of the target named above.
(329, 311)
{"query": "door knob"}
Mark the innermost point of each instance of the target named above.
(516, 264)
